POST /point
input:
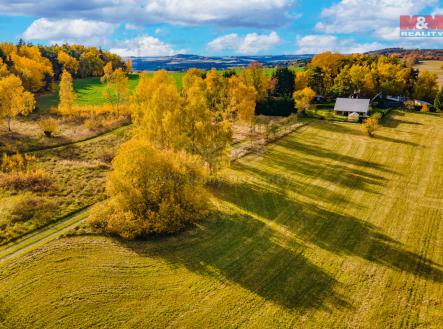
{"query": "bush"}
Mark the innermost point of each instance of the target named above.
(16, 162)
(275, 106)
(30, 207)
(151, 191)
(32, 180)
(371, 124)
(49, 126)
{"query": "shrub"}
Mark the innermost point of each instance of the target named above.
(151, 191)
(32, 180)
(16, 162)
(49, 126)
(371, 124)
(30, 207)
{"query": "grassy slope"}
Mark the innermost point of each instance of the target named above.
(433, 66)
(90, 91)
(328, 229)
(77, 173)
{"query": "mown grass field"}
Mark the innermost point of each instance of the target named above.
(432, 66)
(90, 91)
(327, 229)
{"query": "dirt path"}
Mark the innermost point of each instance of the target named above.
(42, 236)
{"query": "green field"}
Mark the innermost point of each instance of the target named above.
(328, 229)
(90, 91)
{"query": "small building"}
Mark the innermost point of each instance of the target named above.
(398, 99)
(421, 103)
(345, 106)
(353, 117)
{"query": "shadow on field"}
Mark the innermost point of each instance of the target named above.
(330, 230)
(393, 140)
(315, 161)
(240, 249)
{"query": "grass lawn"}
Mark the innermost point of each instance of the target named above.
(328, 229)
(432, 66)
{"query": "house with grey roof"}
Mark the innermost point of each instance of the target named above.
(345, 106)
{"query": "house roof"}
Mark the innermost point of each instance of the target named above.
(358, 105)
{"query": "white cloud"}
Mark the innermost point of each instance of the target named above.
(69, 31)
(251, 43)
(133, 27)
(254, 13)
(144, 46)
(313, 44)
(350, 16)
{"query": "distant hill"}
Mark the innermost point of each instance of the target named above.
(420, 54)
(183, 62)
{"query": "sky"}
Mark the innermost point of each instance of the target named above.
(216, 27)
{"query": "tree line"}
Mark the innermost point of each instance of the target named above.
(38, 67)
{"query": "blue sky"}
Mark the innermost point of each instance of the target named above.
(216, 27)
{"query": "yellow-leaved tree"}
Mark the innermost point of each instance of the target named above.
(242, 100)
(202, 130)
(68, 62)
(151, 191)
(14, 100)
(303, 98)
(254, 76)
(3, 69)
(66, 94)
(117, 88)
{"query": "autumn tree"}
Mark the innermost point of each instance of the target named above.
(301, 80)
(438, 101)
(254, 76)
(34, 70)
(216, 93)
(3, 69)
(151, 191)
(303, 98)
(107, 73)
(66, 94)
(426, 86)
(204, 132)
(117, 88)
(14, 100)
(371, 124)
(128, 66)
(329, 64)
(67, 62)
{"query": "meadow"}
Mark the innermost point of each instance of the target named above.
(432, 66)
(327, 229)
(76, 173)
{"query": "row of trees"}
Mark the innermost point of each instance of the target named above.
(342, 75)
(39, 66)
(181, 139)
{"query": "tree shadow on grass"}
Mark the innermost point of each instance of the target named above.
(332, 231)
(240, 249)
(394, 140)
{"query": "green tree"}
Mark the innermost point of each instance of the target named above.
(285, 82)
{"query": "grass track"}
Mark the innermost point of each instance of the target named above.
(329, 229)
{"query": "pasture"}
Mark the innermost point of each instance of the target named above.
(434, 67)
(327, 229)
